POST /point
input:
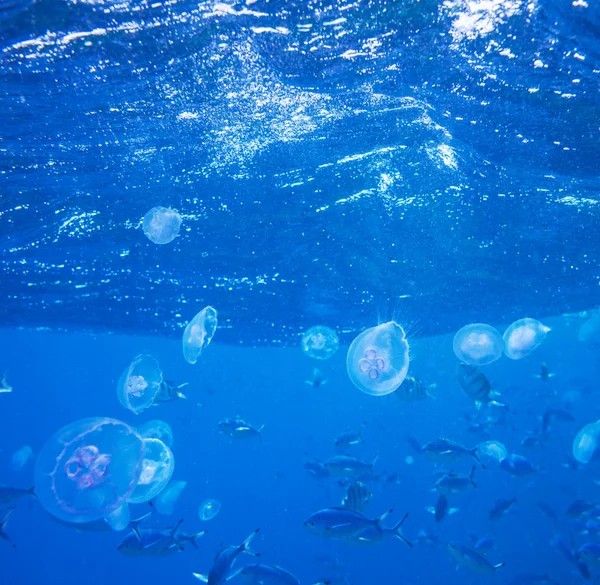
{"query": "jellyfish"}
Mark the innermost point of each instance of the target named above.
(377, 359)
(492, 450)
(120, 518)
(158, 464)
(478, 344)
(140, 383)
(161, 225)
(199, 333)
(208, 509)
(88, 469)
(157, 429)
(586, 442)
(165, 503)
(522, 337)
(21, 457)
(320, 342)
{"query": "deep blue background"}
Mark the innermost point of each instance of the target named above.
(59, 378)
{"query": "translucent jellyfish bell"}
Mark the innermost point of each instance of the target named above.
(199, 333)
(139, 383)
(165, 503)
(493, 450)
(586, 442)
(158, 464)
(320, 342)
(377, 360)
(161, 225)
(157, 429)
(88, 469)
(522, 337)
(208, 509)
(478, 344)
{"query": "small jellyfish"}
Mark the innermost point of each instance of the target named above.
(157, 429)
(88, 469)
(492, 450)
(586, 442)
(158, 464)
(161, 225)
(377, 361)
(320, 342)
(165, 503)
(21, 457)
(522, 337)
(208, 509)
(478, 344)
(199, 333)
(140, 383)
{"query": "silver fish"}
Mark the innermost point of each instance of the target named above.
(444, 450)
(152, 542)
(517, 465)
(413, 390)
(545, 373)
(347, 466)
(5, 387)
(501, 507)
(236, 428)
(100, 525)
(357, 497)
(267, 575)
(453, 483)
(338, 522)
(9, 494)
(471, 559)
(169, 392)
(348, 438)
(375, 533)
(222, 569)
(441, 509)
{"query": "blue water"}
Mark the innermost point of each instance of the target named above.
(336, 163)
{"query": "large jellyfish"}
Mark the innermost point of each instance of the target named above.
(586, 442)
(478, 344)
(161, 225)
(158, 464)
(199, 333)
(139, 383)
(522, 337)
(320, 342)
(88, 469)
(377, 359)
(157, 429)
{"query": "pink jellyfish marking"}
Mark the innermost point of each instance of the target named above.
(371, 364)
(87, 467)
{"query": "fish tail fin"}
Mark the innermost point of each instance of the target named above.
(3, 524)
(499, 566)
(200, 577)
(31, 492)
(398, 533)
(175, 534)
(471, 476)
(476, 456)
(260, 429)
(134, 524)
(383, 517)
(183, 385)
(245, 546)
(374, 461)
(194, 538)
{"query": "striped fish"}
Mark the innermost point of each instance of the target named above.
(476, 386)
(357, 497)
(413, 390)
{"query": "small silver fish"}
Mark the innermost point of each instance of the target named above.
(222, 569)
(545, 373)
(3, 524)
(446, 451)
(318, 379)
(453, 483)
(5, 387)
(348, 438)
(500, 508)
(347, 466)
(413, 390)
(471, 559)
(357, 497)
(267, 575)
(146, 542)
(9, 494)
(236, 428)
(338, 522)
(169, 392)
(517, 465)
(441, 509)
